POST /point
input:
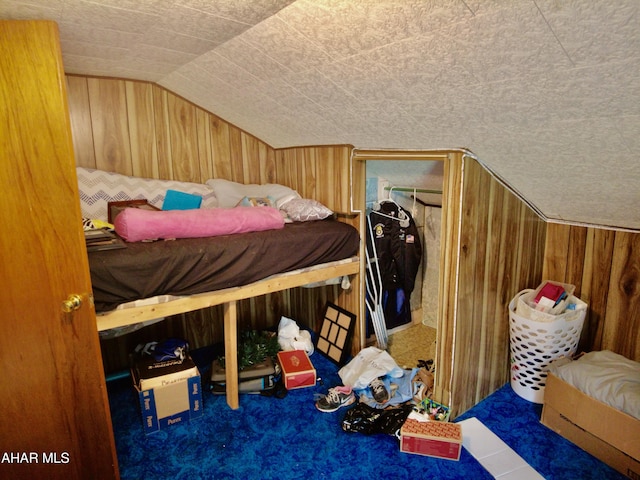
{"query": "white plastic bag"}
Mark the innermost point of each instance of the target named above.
(369, 364)
(290, 337)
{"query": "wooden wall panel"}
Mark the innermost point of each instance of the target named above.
(110, 126)
(237, 160)
(183, 138)
(321, 173)
(162, 134)
(500, 252)
(220, 148)
(144, 153)
(141, 129)
(287, 167)
(468, 341)
(604, 265)
(622, 320)
(448, 286)
(81, 121)
(205, 152)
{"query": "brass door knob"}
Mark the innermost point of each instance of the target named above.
(74, 302)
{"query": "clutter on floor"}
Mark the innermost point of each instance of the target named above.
(287, 438)
(393, 401)
(381, 398)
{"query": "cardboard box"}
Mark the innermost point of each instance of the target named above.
(297, 370)
(606, 433)
(169, 392)
(431, 438)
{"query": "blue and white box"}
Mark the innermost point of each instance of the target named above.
(169, 399)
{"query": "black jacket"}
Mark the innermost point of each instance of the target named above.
(398, 246)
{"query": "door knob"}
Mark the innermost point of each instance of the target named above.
(74, 302)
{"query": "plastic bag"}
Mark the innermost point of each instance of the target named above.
(367, 420)
(290, 337)
(370, 363)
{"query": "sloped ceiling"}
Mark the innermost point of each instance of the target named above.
(545, 93)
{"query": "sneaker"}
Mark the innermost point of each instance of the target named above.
(379, 390)
(336, 397)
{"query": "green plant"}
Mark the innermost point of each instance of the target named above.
(254, 347)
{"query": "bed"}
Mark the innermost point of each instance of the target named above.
(157, 279)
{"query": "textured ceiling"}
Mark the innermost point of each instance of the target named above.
(545, 93)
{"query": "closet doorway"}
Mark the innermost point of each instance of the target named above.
(413, 183)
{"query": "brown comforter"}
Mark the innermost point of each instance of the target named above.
(195, 265)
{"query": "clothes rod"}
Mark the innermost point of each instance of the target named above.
(416, 190)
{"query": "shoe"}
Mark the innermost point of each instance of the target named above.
(379, 390)
(336, 397)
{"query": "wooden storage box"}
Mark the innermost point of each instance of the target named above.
(606, 433)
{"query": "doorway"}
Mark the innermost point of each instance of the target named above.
(416, 186)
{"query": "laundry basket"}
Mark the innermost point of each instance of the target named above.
(534, 344)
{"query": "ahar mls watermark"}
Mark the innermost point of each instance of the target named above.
(35, 457)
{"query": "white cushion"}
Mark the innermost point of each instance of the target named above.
(304, 210)
(229, 193)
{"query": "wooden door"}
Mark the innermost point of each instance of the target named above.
(55, 420)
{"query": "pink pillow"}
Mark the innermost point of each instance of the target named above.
(135, 224)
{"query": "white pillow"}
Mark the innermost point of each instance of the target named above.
(229, 193)
(304, 210)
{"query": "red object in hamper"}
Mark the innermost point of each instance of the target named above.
(297, 370)
(433, 439)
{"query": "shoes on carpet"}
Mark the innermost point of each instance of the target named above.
(337, 397)
(379, 391)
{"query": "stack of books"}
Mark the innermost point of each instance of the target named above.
(102, 239)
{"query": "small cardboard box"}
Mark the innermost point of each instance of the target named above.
(169, 392)
(606, 433)
(297, 370)
(431, 438)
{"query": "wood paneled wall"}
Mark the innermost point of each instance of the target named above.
(322, 173)
(505, 247)
(604, 265)
(499, 252)
(141, 129)
(138, 128)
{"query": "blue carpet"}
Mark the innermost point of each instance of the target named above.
(270, 438)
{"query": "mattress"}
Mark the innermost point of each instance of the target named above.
(195, 265)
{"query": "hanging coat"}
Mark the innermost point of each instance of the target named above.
(399, 253)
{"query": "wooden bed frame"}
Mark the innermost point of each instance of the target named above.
(229, 298)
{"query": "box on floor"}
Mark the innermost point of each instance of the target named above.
(297, 369)
(431, 438)
(606, 433)
(169, 392)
